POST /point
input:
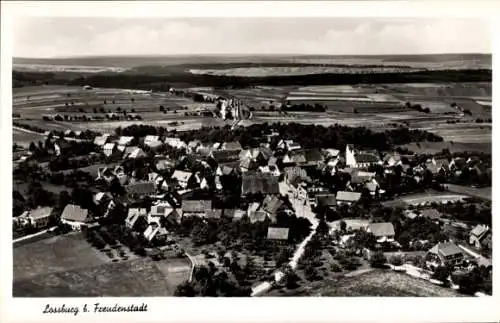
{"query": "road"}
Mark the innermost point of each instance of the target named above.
(194, 263)
(302, 209)
(41, 134)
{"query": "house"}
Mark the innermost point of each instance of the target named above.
(164, 164)
(105, 174)
(457, 164)
(259, 183)
(134, 214)
(288, 145)
(257, 216)
(225, 170)
(232, 145)
(324, 201)
(155, 232)
(247, 165)
(102, 197)
(149, 139)
(37, 218)
(295, 175)
(313, 157)
(101, 140)
(360, 159)
(384, 232)
(214, 213)
(140, 188)
(274, 233)
(410, 214)
(125, 141)
(109, 149)
(238, 214)
(272, 204)
(196, 207)
(479, 236)
(225, 156)
(257, 154)
(192, 145)
(134, 153)
(175, 142)
(182, 177)
(392, 160)
(272, 170)
(295, 157)
(348, 198)
(76, 217)
(331, 153)
(444, 254)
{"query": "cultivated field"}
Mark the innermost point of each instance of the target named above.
(67, 266)
(483, 193)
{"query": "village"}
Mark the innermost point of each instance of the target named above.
(260, 208)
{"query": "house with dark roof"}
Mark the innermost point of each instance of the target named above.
(274, 233)
(384, 232)
(326, 201)
(247, 165)
(313, 157)
(76, 217)
(139, 189)
(225, 156)
(257, 216)
(295, 175)
(444, 254)
(272, 204)
(259, 183)
(344, 197)
(480, 236)
(196, 207)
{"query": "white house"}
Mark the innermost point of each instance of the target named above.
(37, 218)
(357, 159)
(76, 217)
(182, 177)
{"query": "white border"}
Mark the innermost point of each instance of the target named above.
(248, 310)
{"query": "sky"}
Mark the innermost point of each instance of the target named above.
(42, 37)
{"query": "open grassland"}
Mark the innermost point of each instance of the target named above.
(67, 266)
(483, 193)
(384, 283)
(24, 138)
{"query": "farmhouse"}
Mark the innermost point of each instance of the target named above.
(125, 141)
(272, 204)
(444, 254)
(37, 218)
(325, 201)
(134, 153)
(331, 153)
(296, 157)
(247, 165)
(259, 183)
(384, 232)
(480, 236)
(295, 175)
(344, 197)
(76, 217)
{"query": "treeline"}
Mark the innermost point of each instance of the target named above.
(306, 107)
(161, 82)
(308, 136)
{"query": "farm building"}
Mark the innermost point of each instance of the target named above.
(232, 145)
(155, 231)
(295, 175)
(247, 165)
(76, 217)
(101, 140)
(143, 188)
(109, 149)
(175, 142)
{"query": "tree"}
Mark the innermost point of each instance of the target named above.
(343, 226)
(185, 289)
(396, 260)
(442, 274)
(377, 260)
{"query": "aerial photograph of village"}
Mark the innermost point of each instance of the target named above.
(251, 157)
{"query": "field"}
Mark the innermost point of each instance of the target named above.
(431, 197)
(483, 193)
(24, 138)
(68, 267)
(372, 283)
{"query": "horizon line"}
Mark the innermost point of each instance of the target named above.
(248, 54)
